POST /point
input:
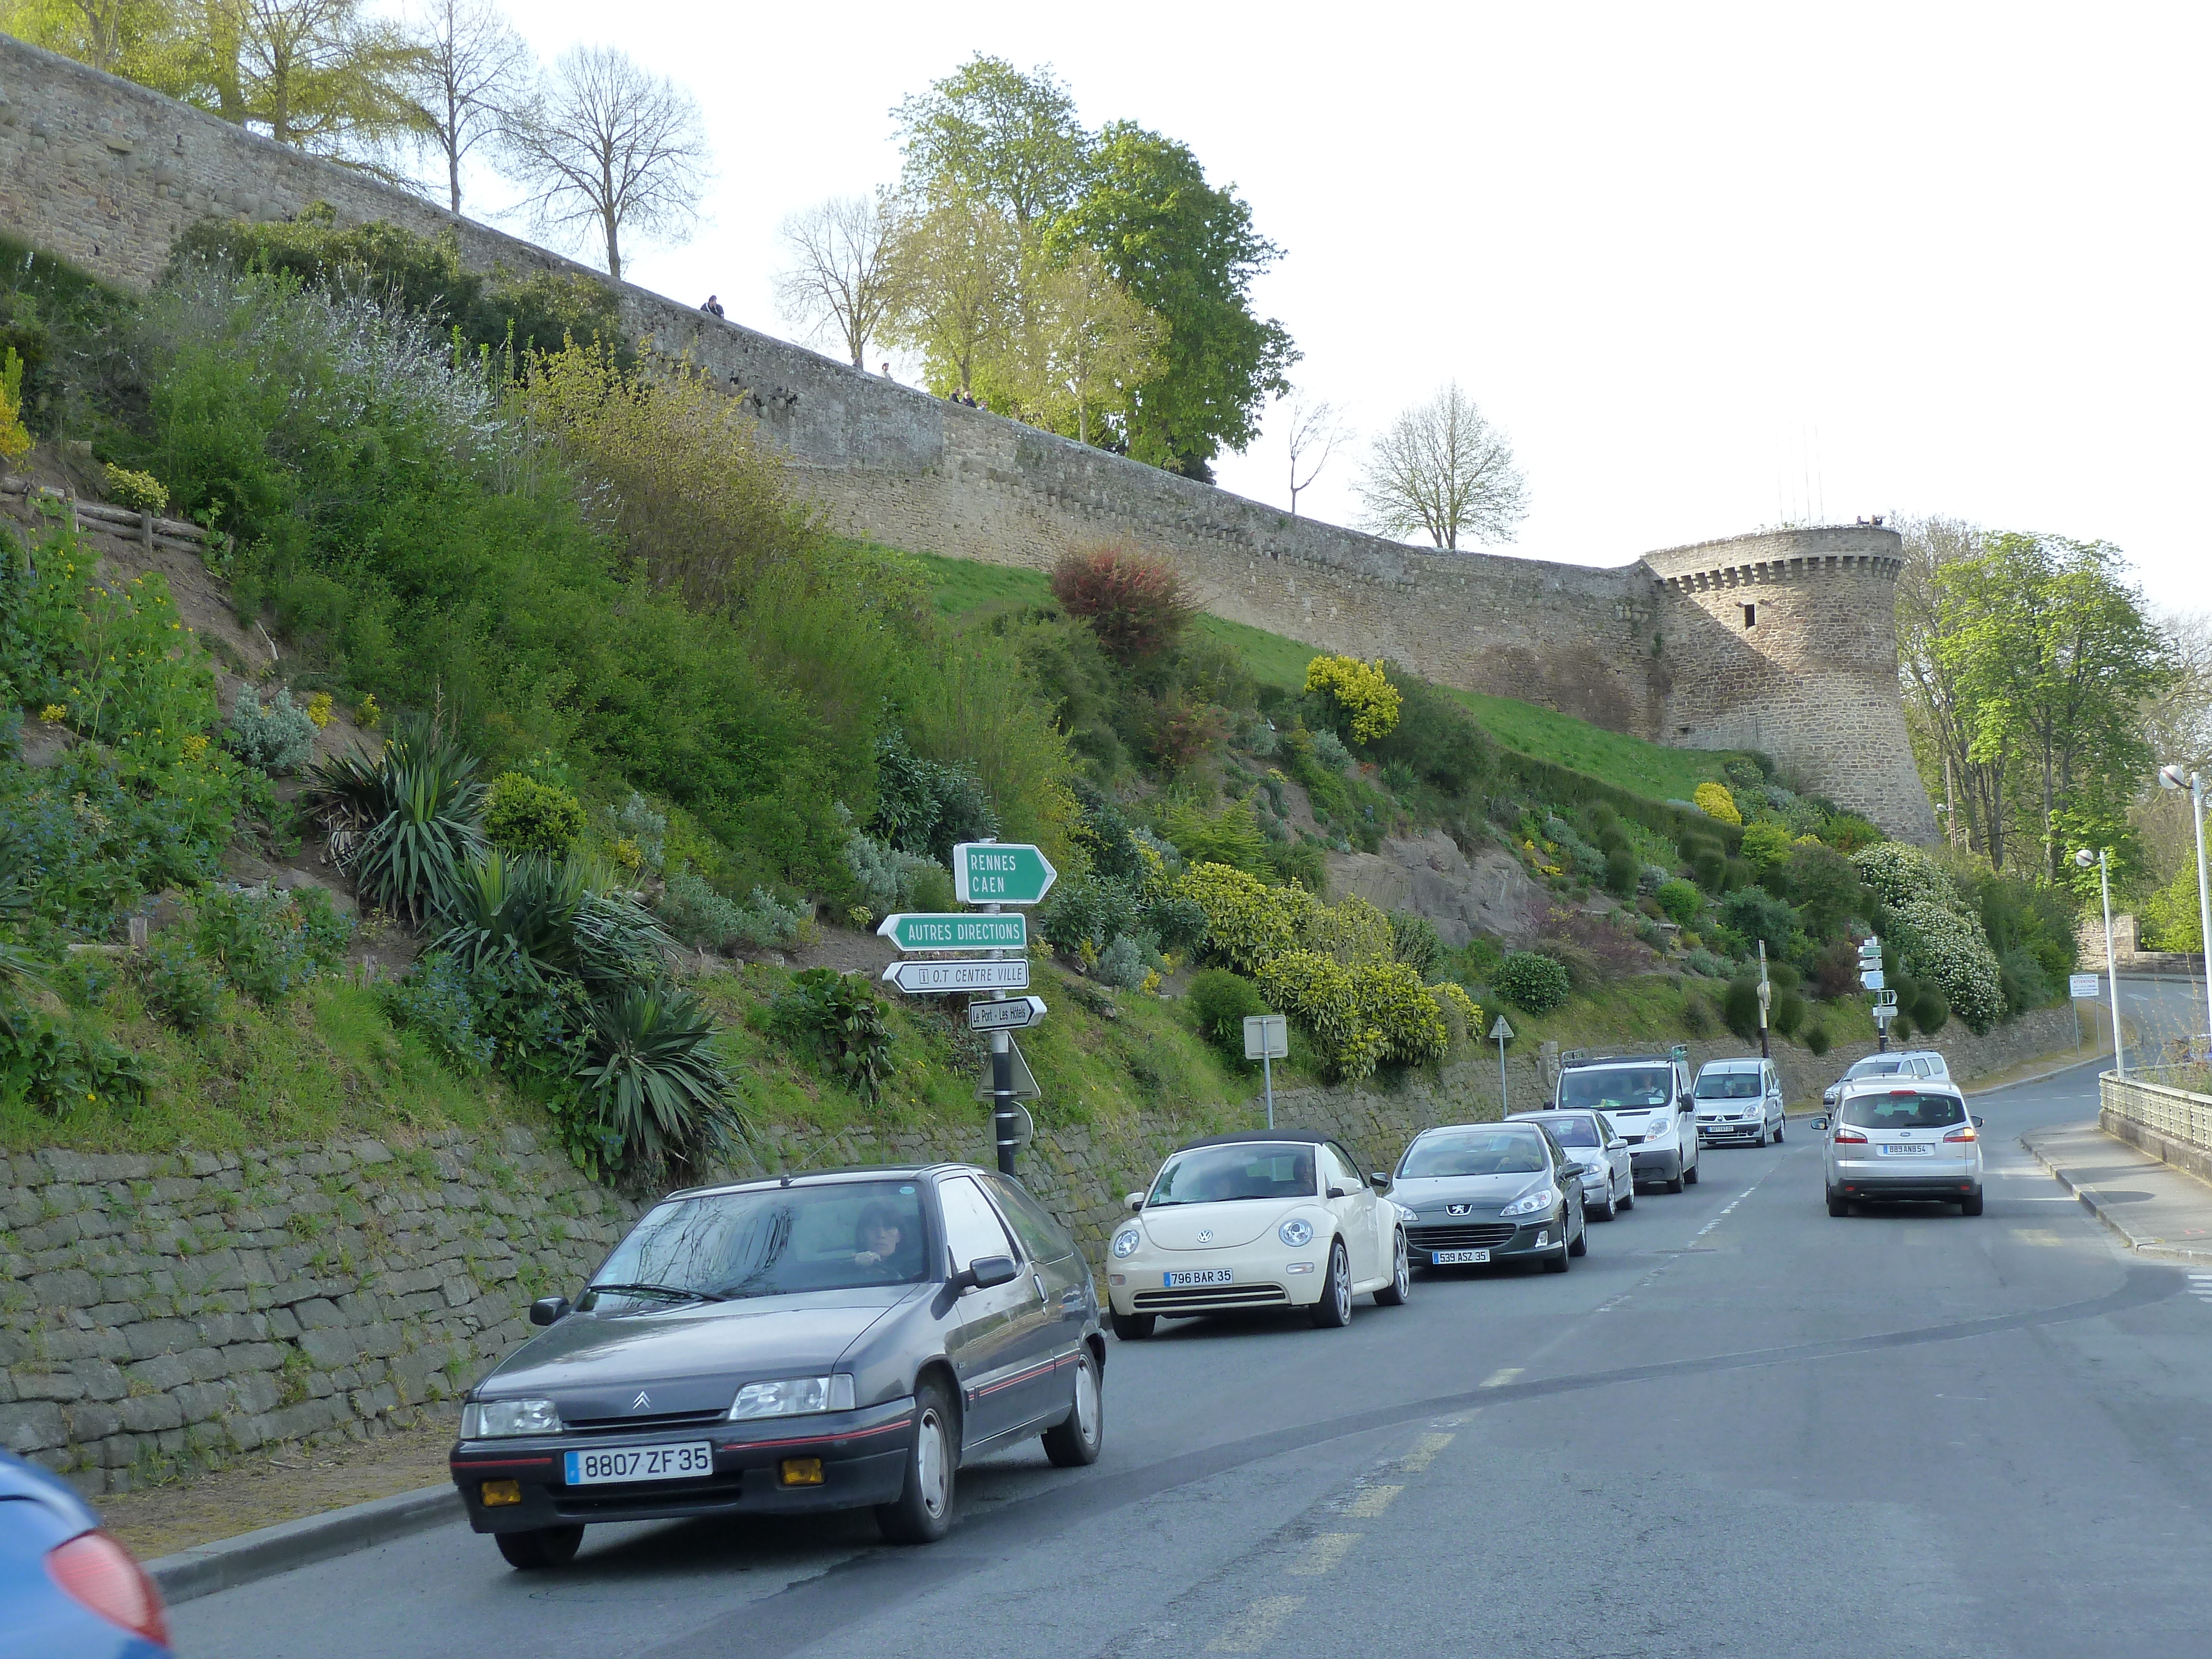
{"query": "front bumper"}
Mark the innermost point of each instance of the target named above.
(1656, 1164)
(1257, 1280)
(1709, 1132)
(863, 1454)
(1504, 1239)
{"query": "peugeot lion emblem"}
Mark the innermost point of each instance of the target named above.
(1205, 1236)
(1459, 1209)
(642, 1400)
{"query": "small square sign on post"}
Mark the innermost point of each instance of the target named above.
(1267, 1039)
(2084, 987)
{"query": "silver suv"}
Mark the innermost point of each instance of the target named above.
(1905, 1063)
(1890, 1139)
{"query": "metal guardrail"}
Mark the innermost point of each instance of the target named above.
(2158, 1098)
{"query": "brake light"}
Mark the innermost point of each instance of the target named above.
(1849, 1137)
(99, 1573)
(1964, 1132)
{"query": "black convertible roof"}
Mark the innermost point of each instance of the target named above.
(1309, 1137)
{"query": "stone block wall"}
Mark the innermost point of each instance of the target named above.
(107, 174)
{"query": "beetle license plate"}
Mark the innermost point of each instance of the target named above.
(1908, 1150)
(1456, 1258)
(686, 1461)
(1197, 1276)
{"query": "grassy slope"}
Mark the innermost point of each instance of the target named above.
(965, 587)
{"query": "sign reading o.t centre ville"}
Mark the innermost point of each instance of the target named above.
(1000, 873)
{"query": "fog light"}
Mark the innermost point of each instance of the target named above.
(1299, 1268)
(802, 1471)
(1116, 1278)
(497, 1492)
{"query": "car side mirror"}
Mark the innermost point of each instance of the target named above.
(985, 1271)
(1135, 1200)
(547, 1308)
(1820, 1122)
(1979, 1121)
(1336, 1191)
(1616, 1142)
(1379, 1181)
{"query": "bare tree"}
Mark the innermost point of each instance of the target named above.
(1445, 471)
(605, 143)
(472, 68)
(1314, 430)
(840, 275)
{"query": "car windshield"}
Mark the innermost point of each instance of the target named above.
(1476, 1152)
(1572, 1131)
(1617, 1085)
(774, 1241)
(1876, 1065)
(1727, 1086)
(1903, 1110)
(1220, 1174)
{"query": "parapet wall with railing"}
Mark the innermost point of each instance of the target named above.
(2166, 1110)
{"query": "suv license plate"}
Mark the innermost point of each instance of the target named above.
(1197, 1276)
(1456, 1258)
(1908, 1150)
(689, 1460)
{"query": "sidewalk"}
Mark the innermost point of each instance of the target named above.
(2155, 1208)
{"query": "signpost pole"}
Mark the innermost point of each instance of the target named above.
(1268, 1075)
(1002, 1077)
(1765, 1053)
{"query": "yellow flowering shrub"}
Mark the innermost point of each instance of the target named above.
(319, 709)
(1715, 801)
(1352, 931)
(53, 713)
(1248, 923)
(14, 436)
(368, 713)
(1462, 1014)
(141, 492)
(1361, 690)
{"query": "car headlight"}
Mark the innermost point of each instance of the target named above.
(792, 1396)
(1531, 1203)
(1657, 1127)
(494, 1420)
(1125, 1242)
(1406, 1211)
(1296, 1233)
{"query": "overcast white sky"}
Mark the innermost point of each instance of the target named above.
(1712, 267)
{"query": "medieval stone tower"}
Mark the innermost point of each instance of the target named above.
(1786, 642)
(1782, 642)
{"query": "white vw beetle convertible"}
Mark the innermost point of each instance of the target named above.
(1270, 1218)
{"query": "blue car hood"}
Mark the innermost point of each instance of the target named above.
(690, 1357)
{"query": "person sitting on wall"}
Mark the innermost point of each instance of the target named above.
(713, 306)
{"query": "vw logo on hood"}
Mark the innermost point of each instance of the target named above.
(1206, 1235)
(642, 1400)
(1459, 1209)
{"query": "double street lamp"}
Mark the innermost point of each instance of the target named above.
(2102, 860)
(2170, 777)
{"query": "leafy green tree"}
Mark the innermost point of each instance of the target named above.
(323, 76)
(1188, 252)
(953, 279)
(1088, 347)
(143, 41)
(994, 135)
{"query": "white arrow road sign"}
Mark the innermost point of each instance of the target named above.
(1014, 1014)
(922, 977)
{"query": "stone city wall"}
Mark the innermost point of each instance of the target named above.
(105, 173)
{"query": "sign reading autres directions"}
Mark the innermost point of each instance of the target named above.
(956, 930)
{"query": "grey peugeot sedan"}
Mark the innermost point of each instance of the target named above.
(826, 1341)
(1490, 1192)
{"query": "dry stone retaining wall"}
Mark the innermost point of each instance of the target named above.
(107, 174)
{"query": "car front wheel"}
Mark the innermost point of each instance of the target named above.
(1334, 1310)
(1134, 1327)
(548, 1546)
(1075, 1442)
(1394, 1294)
(1780, 1124)
(922, 1512)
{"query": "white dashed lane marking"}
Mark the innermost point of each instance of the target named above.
(2200, 1286)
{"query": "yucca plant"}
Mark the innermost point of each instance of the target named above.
(405, 822)
(573, 917)
(650, 1068)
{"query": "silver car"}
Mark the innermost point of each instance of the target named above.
(1889, 1140)
(1740, 1100)
(1600, 1151)
(1482, 1193)
(1902, 1064)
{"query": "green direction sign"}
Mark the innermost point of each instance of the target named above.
(1000, 873)
(956, 930)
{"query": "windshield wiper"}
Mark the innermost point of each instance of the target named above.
(673, 1292)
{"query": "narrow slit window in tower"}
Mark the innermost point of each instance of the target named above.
(1751, 616)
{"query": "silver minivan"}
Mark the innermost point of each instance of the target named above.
(1739, 1100)
(1899, 1064)
(1891, 1140)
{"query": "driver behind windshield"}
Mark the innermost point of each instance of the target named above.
(882, 1238)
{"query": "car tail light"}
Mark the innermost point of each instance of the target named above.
(1964, 1132)
(99, 1573)
(1849, 1137)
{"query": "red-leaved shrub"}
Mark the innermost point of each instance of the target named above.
(1135, 603)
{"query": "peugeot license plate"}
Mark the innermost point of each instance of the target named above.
(1907, 1149)
(687, 1460)
(1196, 1276)
(1456, 1258)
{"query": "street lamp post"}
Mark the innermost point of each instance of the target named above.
(2085, 858)
(2170, 777)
